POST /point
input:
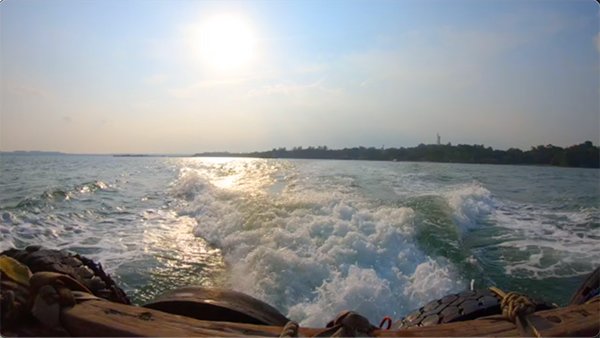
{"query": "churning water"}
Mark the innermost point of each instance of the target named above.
(311, 237)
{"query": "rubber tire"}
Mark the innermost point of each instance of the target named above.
(452, 308)
(79, 267)
(466, 305)
(216, 304)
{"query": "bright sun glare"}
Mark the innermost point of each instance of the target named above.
(225, 42)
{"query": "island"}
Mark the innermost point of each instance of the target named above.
(584, 155)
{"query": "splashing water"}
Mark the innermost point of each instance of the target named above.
(310, 237)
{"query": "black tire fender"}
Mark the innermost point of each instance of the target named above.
(217, 304)
(467, 305)
(82, 269)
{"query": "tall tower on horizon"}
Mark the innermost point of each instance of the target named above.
(439, 139)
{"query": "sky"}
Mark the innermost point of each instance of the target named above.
(187, 76)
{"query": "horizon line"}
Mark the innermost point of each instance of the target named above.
(137, 153)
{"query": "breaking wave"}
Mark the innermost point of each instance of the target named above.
(310, 237)
(316, 247)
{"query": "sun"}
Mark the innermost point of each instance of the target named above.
(225, 42)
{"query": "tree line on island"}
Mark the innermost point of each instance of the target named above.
(584, 155)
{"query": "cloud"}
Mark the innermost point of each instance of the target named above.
(196, 88)
(289, 89)
(29, 91)
(452, 57)
(155, 79)
(311, 69)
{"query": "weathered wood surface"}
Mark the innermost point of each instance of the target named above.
(572, 321)
(102, 318)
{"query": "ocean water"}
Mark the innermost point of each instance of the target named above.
(310, 237)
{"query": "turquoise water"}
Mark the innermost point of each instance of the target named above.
(311, 237)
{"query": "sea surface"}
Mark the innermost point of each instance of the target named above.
(310, 237)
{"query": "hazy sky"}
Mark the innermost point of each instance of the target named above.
(188, 76)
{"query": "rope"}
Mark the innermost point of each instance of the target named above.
(49, 293)
(347, 324)
(514, 304)
(289, 330)
(515, 307)
(387, 320)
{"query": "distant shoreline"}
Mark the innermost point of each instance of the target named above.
(584, 155)
(32, 152)
(57, 153)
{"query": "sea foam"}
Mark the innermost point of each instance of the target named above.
(470, 203)
(317, 247)
(558, 243)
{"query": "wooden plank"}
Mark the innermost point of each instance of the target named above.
(495, 326)
(571, 321)
(581, 320)
(102, 318)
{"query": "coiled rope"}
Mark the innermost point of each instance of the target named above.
(515, 307)
(290, 330)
